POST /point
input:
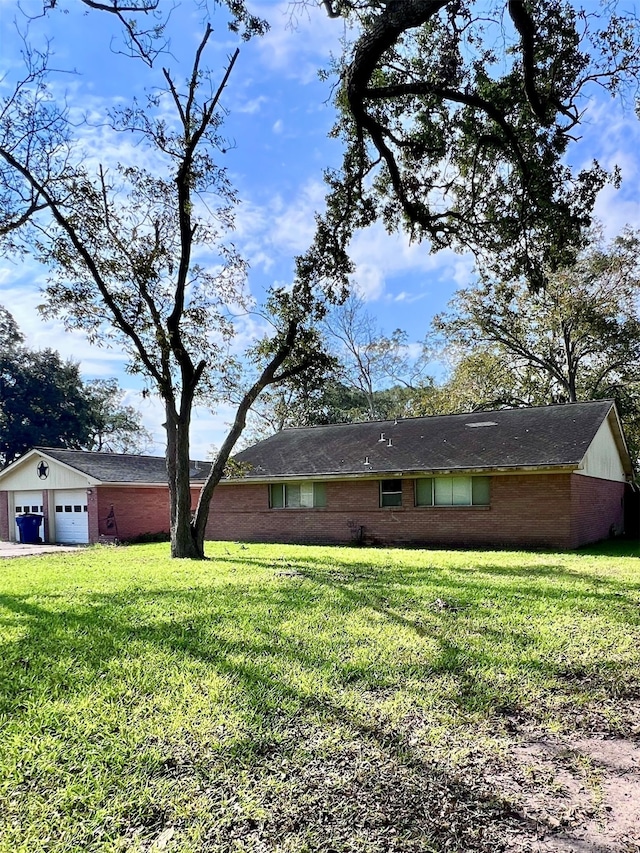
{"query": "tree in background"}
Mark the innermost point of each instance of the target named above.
(45, 402)
(476, 379)
(367, 376)
(368, 362)
(41, 403)
(581, 334)
(333, 403)
(11, 337)
(577, 339)
(113, 426)
(125, 246)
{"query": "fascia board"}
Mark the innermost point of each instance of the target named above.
(417, 472)
(618, 435)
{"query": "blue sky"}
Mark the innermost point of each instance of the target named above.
(279, 118)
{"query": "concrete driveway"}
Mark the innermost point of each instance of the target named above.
(18, 549)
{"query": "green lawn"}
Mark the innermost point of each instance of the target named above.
(285, 698)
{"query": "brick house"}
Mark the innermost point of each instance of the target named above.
(553, 476)
(88, 497)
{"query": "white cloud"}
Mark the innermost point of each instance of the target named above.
(251, 106)
(279, 228)
(278, 126)
(20, 294)
(612, 136)
(300, 40)
(407, 298)
(368, 281)
(381, 258)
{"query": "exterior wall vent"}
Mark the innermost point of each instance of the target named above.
(482, 424)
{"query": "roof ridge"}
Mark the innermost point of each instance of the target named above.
(95, 452)
(608, 400)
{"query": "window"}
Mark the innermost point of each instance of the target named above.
(391, 493)
(452, 491)
(424, 491)
(297, 495)
(481, 491)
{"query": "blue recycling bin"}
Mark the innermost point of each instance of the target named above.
(28, 527)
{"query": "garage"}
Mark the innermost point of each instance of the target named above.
(71, 516)
(27, 502)
(88, 497)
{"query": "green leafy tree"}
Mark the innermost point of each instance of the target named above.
(581, 333)
(480, 379)
(123, 245)
(11, 337)
(456, 120)
(44, 401)
(578, 339)
(113, 426)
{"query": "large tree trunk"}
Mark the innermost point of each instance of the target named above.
(183, 540)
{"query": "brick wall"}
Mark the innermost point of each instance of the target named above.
(136, 511)
(538, 510)
(597, 509)
(526, 510)
(93, 510)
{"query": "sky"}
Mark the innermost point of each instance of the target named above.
(278, 118)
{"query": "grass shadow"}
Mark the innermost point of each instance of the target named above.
(268, 698)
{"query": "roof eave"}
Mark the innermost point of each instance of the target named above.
(150, 484)
(410, 472)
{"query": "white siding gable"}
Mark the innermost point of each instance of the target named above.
(602, 458)
(25, 476)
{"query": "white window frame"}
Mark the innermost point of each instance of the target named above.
(300, 495)
(460, 488)
(393, 492)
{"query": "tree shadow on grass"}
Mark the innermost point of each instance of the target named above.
(321, 775)
(391, 589)
(358, 565)
(316, 761)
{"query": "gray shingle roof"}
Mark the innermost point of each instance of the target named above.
(121, 467)
(506, 438)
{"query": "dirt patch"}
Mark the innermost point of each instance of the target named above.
(573, 793)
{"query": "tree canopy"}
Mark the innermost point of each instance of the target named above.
(456, 120)
(141, 253)
(580, 336)
(44, 401)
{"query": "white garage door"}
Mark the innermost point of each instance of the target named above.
(27, 502)
(72, 518)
